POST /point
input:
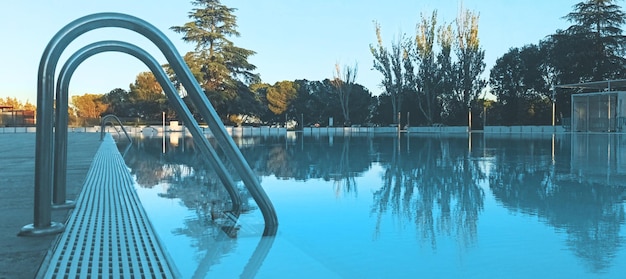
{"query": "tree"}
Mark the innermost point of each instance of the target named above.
(428, 75)
(592, 49)
(88, 106)
(280, 95)
(360, 104)
(145, 88)
(220, 66)
(519, 81)
(343, 81)
(118, 103)
(17, 104)
(314, 101)
(146, 96)
(445, 38)
(468, 67)
(392, 64)
(597, 25)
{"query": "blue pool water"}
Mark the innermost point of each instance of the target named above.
(427, 206)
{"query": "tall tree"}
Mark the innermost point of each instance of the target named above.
(428, 77)
(518, 80)
(445, 38)
(147, 97)
(392, 64)
(89, 106)
(118, 103)
(219, 65)
(469, 65)
(343, 81)
(280, 95)
(145, 88)
(597, 24)
(592, 49)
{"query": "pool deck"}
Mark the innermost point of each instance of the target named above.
(21, 257)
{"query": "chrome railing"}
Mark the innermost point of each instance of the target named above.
(204, 145)
(106, 119)
(44, 174)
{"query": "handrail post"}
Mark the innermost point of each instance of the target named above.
(59, 187)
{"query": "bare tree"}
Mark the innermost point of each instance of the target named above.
(343, 81)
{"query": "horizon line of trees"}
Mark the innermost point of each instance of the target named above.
(432, 77)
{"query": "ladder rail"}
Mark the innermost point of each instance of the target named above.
(42, 224)
(171, 93)
(105, 120)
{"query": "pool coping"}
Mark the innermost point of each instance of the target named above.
(96, 243)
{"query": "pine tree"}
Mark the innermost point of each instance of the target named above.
(595, 40)
(221, 66)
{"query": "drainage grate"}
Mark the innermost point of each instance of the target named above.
(108, 235)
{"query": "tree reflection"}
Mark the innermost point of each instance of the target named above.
(435, 185)
(429, 182)
(590, 213)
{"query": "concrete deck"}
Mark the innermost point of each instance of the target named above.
(21, 257)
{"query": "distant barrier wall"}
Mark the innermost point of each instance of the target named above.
(524, 129)
(308, 131)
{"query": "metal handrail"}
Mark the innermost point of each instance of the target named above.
(43, 147)
(203, 143)
(103, 122)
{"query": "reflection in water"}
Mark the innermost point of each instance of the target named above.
(438, 184)
(435, 185)
(565, 193)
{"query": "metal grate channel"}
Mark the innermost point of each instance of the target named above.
(108, 235)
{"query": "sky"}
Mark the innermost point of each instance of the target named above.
(293, 39)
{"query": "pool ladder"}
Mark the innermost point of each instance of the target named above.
(106, 119)
(50, 176)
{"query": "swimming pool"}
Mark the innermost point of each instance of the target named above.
(428, 206)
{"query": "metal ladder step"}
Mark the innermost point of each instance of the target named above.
(109, 235)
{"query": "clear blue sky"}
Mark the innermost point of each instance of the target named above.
(294, 39)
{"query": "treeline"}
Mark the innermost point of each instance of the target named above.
(435, 76)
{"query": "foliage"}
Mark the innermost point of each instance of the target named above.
(597, 25)
(467, 69)
(147, 97)
(17, 104)
(591, 49)
(433, 77)
(89, 107)
(219, 66)
(119, 103)
(429, 75)
(280, 95)
(446, 88)
(145, 88)
(343, 81)
(519, 80)
(392, 64)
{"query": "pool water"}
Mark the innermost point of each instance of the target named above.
(427, 206)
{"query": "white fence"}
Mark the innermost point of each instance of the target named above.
(525, 129)
(308, 131)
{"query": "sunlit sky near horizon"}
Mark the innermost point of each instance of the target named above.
(293, 39)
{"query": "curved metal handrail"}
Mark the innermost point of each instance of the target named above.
(178, 104)
(43, 145)
(103, 122)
